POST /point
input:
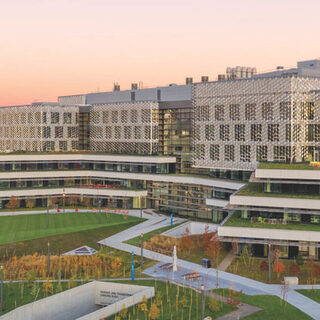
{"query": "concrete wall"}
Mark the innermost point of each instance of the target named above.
(268, 233)
(288, 174)
(275, 202)
(194, 228)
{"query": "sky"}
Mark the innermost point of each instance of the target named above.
(62, 47)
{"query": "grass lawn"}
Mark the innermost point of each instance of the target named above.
(64, 242)
(252, 270)
(313, 294)
(272, 307)
(175, 303)
(287, 166)
(27, 227)
(236, 221)
(18, 294)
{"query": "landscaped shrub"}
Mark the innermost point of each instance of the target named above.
(294, 269)
(264, 266)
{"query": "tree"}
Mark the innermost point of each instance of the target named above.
(13, 203)
(279, 268)
(294, 269)
(214, 248)
(86, 202)
(206, 237)
(214, 305)
(52, 201)
(315, 270)
(72, 200)
(123, 312)
(245, 255)
(264, 266)
(30, 203)
(154, 311)
(299, 259)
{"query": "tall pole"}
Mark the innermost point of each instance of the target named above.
(64, 201)
(47, 213)
(141, 252)
(202, 302)
(132, 267)
(48, 262)
(269, 262)
(1, 289)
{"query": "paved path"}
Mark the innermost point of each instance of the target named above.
(208, 276)
(225, 263)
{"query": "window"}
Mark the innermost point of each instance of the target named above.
(307, 111)
(44, 117)
(124, 116)
(256, 132)
(155, 132)
(296, 133)
(215, 152)
(105, 116)
(281, 153)
(199, 151)
(147, 132)
(234, 112)
(46, 132)
(218, 113)
(245, 153)
(267, 111)
(137, 132)
(54, 117)
(114, 116)
(117, 132)
(209, 132)
(273, 132)
(285, 110)
(240, 132)
(134, 116)
(63, 145)
(229, 152)
(202, 113)
(262, 153)
(145, 115)
(288, 132)
(224, 132)
(108, 133)
(67, 118)
(250, 111)
(127, 132)
(197, 132)
(72, 132)
(58, 132)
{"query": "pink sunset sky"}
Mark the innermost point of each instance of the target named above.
(61, 47)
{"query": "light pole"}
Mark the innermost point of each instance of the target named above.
(64, 200)
(1, 289)
(202, 302)
(141, 252)
(100, 211)
(269, 245)
(48, 262)
(47, 213)
(132, 266)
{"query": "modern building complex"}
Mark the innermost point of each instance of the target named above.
(184, 149)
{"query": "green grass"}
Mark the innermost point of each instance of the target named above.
(170, 310)
(18, 294)
(313, 294)
(286, 166)
(27, 227)
(272, 307)
(256, 190)
(236, 221)
(63, 242)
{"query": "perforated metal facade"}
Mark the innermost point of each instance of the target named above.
(130, 127)
(238, 123)
(38, 128)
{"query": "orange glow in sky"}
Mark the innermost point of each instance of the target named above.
(61, 47)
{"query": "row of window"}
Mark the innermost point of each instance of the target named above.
(124, 132)
(269, 111)
(38, 117)
(296, 132)
(123, 116)
(280, 153)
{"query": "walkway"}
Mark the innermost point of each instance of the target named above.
(225, 263)
(208, 276)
